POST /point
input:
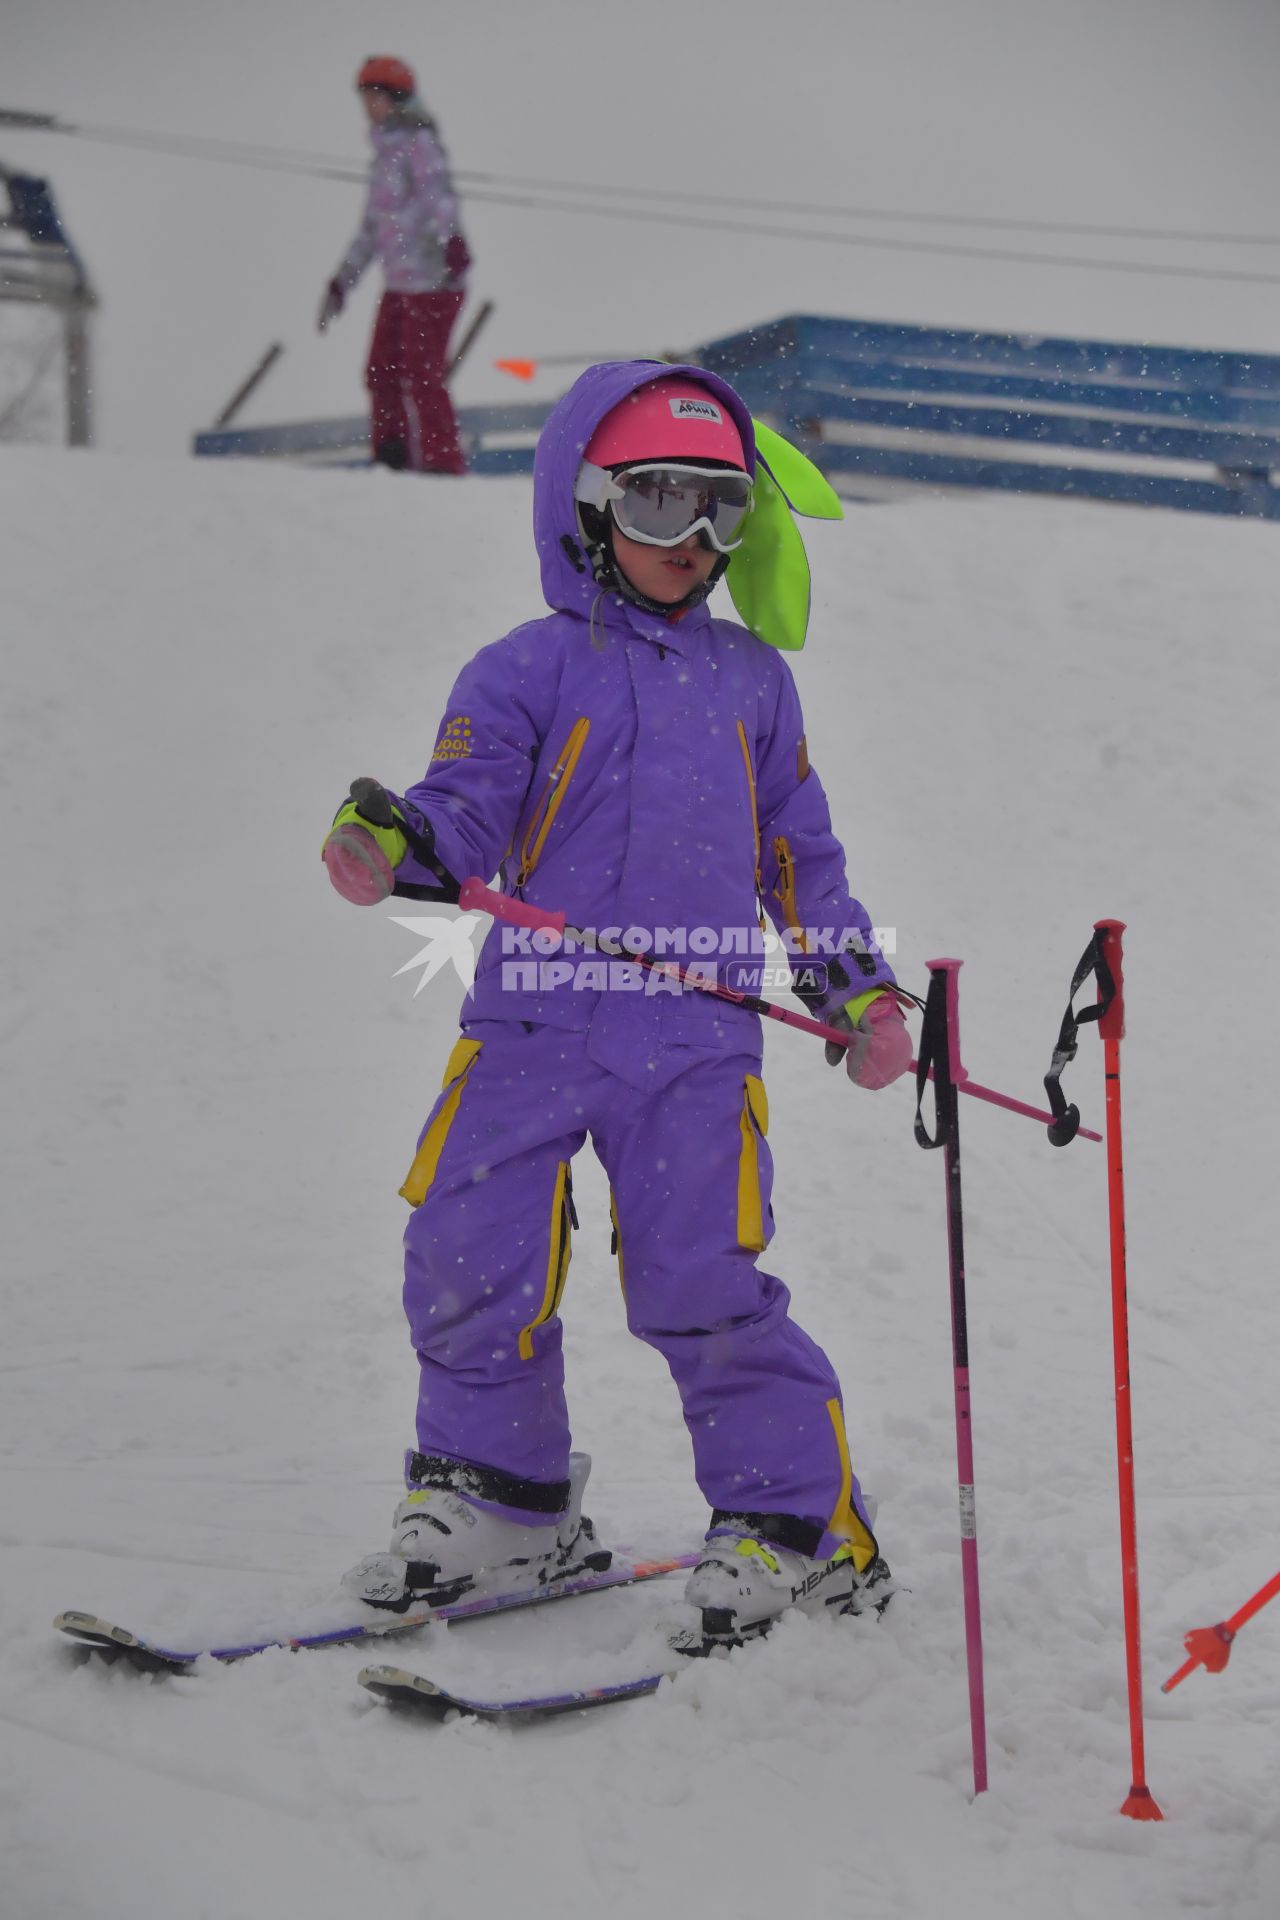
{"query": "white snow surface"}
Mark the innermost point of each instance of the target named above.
(1028, 715)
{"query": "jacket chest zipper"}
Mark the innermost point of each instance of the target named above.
(755, 817)
(552, 797)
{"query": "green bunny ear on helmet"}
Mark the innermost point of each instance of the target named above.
(768, 577)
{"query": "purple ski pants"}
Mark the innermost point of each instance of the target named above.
(487, 1251)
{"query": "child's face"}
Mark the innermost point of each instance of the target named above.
(378, 104)
(664, 574)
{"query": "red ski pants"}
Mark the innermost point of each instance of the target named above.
(411, 408)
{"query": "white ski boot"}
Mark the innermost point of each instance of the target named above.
(742, 1583)
(444, 1545)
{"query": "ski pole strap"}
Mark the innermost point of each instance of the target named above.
(934, 1054)
(1066, 1119)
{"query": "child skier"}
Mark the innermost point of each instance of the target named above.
(411, 223)
(641, 766)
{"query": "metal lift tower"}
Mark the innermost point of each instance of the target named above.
(40, 267)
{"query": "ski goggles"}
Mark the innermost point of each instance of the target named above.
(661, 502)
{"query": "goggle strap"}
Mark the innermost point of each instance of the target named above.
(596, 486)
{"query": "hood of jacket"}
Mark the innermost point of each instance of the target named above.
(574, 418)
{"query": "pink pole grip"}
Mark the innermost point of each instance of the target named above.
(473, 893)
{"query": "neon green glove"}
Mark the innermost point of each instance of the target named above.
(361, 854)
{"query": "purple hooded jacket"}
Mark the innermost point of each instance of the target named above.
(635, 771)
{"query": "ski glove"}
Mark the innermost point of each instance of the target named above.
(457, 256)
(331, 306)
(364, 846)
(880, 1051)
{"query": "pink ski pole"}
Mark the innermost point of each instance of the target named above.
(377, 806)
(940, 1046)
(473, 895)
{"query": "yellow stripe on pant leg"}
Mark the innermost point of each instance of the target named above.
(753, 1123)
(845, 1520)
(617, 1237)
(557, 1262)
(423, 1171)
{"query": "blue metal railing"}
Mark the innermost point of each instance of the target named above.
(1108, 420)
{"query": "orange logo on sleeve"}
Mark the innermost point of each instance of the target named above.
(455, 742)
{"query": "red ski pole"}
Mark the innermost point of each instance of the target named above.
(940, 1047)
(1140, 1804)
(1210, 1647)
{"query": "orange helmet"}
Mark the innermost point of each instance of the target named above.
(384, 70)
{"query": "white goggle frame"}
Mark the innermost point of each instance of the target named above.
(597, 487)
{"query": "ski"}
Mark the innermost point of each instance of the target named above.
(107, 1637)
(402, 1688)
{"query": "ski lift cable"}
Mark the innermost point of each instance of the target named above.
(326, 165)
(192, 146)
(888, 244)
(604, 206)
(895, 215)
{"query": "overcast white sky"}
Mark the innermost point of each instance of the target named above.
(1141, 112)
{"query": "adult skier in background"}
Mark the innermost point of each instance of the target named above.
(411, 223)
(636, 763)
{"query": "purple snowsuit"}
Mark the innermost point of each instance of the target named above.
(637, 772)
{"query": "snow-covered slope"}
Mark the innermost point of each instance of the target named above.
(1028, 715)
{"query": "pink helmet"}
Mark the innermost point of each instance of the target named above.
(669, 419)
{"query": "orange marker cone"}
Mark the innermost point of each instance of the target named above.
(518, 369)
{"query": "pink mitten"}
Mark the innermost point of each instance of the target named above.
(357, 866)
(880, 1050)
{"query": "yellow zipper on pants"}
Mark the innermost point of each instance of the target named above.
(845, 1520)
(558, 1258)
(617, 1241)
(753, 1124)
